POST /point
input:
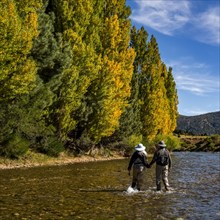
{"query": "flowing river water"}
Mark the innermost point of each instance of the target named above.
(98, 190)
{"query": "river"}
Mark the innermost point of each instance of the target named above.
(98, 190)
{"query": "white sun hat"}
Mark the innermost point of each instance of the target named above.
(140, 147)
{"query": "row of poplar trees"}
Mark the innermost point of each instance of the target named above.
(74, 73)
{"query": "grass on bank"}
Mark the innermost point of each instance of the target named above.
(27, 160)
(31, 159)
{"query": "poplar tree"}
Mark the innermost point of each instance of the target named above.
(130, 122)
(83, 65)
(153, 94)
(112, 86)
(172, 99)
(23, 98)
(18, 25)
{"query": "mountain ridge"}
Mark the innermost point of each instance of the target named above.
(203, 124)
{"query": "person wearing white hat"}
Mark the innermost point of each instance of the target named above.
(163, 165)
(139, 162)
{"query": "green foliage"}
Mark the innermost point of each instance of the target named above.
(130, 123)
(84, 144)
(172, 142)
(213, 143)
(132, 140)
(200, 143)
(27, 116)
(84, 64)
(50, 145)
(214, 138)
(46, 49)
(14, 147)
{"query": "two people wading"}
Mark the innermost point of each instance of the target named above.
(139, 162)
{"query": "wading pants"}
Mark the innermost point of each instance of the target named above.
(162, 173)
(137, 176)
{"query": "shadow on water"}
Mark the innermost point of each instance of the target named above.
(99, 190)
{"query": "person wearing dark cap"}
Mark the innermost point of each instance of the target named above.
(163, 165)
(139, 162)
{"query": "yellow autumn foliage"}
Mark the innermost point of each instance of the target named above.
(18, 28)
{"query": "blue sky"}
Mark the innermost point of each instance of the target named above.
(188, 36)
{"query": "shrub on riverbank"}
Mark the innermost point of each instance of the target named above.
(51, 147)
(14, 147)
(126, 147)
(172, 142)
(200, 143)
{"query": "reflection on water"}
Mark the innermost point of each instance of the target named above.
(98, 190)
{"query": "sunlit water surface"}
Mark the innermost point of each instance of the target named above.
(98, 190)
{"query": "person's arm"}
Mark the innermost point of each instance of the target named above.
(133, 158)
(145, 162)
(153, 159)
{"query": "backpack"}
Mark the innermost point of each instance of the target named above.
(163, 158)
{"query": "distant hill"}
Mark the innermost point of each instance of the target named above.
(205, 124)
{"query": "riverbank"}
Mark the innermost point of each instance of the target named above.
(200, 143)
(35, 159)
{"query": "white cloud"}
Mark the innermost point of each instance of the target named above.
(194, 77)
(163, 16)
(207, 24)
(169, 17)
